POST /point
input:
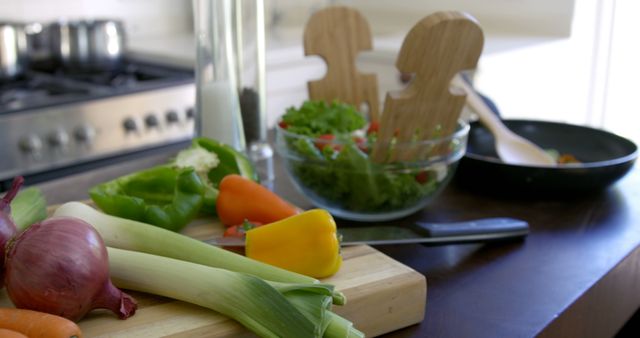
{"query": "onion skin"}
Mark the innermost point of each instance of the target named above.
(7, 227)
(60, 266)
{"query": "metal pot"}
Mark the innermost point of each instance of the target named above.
(13, 50)
(88, 44)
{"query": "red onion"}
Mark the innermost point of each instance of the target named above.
(60, 266)
(7, 227)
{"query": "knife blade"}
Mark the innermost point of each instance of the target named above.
(474, 231)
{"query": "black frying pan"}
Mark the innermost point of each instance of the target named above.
(604, 157)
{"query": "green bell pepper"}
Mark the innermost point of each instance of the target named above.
(163, 196)
(229, 161)
(171, 195)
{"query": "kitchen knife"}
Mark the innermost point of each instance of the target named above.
(475, 231)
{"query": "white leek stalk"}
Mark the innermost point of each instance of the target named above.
(127, 234)
(245, 298)
(267, 309)
(310, 297)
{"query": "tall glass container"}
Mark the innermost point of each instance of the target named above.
(249, 31)
(230, 77)
(217, 102)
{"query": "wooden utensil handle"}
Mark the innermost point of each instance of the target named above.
(435, 50)
(338, 34)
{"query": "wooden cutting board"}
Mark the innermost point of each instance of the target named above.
(383, 295)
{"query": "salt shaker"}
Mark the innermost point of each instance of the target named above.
(217, 100)
(230, 74)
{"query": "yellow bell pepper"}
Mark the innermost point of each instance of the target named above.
(306, 243)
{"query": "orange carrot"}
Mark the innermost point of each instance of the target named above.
(5, 333)
(36, 324)
(242, 199)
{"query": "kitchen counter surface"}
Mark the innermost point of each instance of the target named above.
(576, 275)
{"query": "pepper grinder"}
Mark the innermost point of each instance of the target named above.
(249, 50)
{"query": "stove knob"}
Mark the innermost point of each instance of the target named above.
(129, 125)
(172, 116)
(84, 134)
(191, 113)
(58, 138)
(30, 144)
(151, 121)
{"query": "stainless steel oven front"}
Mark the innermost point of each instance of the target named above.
(117, 120)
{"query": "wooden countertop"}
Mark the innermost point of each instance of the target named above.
(576, 275)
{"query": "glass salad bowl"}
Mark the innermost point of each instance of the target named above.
(338, 173)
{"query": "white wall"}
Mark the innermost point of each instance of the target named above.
(619, 106)
(589, 78)
(533, 17)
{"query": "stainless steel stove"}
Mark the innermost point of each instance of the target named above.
(55, 122)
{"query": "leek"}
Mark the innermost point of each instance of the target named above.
(28, 207)
(269, 309)
(135, 256)
(245, 298)
(127, 234)
(340, 327)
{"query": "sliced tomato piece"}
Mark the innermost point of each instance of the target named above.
(361, 143)
(325, 140)
(374, 126)
(422, 177)
(239, 230)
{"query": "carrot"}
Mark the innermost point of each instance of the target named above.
(36, 324)
(242, 199)
(5, 333)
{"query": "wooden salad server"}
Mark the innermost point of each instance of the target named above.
(338, 34)
(511, 147)
(436, 49)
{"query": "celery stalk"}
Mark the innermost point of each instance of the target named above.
(132, 235)
(28, 207)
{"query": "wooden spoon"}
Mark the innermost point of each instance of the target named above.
(435, 50)
(338, 34)
(511, 148)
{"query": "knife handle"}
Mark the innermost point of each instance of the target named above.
(482, 226)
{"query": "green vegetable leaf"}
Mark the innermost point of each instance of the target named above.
(316, 118)
(28, 207)
(342, 175)
(230, 161)
(162, 196)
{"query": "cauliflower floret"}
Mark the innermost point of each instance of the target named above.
(199, 159)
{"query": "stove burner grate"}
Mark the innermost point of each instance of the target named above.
(52, 86)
